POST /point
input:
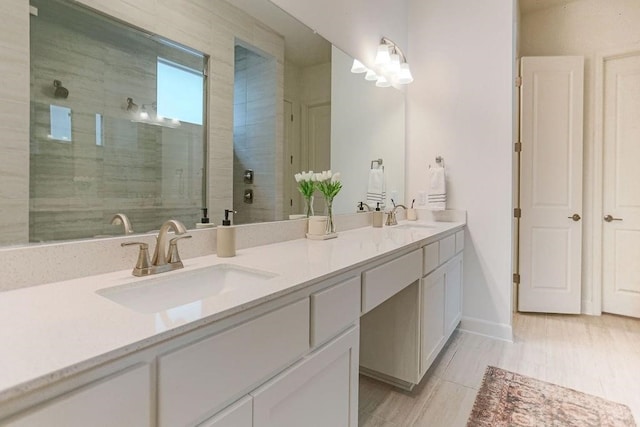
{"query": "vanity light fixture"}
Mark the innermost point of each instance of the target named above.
(391, 66)
(358, 67)
(131, 106)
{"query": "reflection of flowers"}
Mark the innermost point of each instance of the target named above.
(306, 187)
(329, 185)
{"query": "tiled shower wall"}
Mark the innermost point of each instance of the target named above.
(210, 26)
(254, 135)
(150, 173)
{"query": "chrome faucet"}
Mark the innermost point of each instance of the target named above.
(163, 259)
(391, 215)
(121, 219)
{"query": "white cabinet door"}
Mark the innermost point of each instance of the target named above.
(120, 400)
(204, 377)
(319, 391)
(452, 295)
(432, 318)
(239, 414)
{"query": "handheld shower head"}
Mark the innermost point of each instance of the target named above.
(60, 91)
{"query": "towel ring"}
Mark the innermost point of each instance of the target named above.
(439, 161)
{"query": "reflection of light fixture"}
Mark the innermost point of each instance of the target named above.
(371, 76)
(148, 113)
(391, 66)
(383, 82)
(358, 67)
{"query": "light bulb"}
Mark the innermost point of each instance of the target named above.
(404, 76)
(371, 76)
(382, 57)
(358, 67)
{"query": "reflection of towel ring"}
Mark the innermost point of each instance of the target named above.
(379, 162)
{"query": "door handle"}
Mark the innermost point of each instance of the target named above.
(609, 218)
(575, 217)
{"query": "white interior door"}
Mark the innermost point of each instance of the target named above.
(621, 192)
(551, 184)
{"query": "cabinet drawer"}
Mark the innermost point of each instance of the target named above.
(120, 400)
(381, 283)
(459, 241)
(431, 254)
(203, 377)
(334, 309)
(447, 248)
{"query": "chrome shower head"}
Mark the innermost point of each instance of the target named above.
(60, 91)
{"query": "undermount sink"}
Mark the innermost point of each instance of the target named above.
(162, 293)
(415, 226)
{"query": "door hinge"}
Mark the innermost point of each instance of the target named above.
(517, 213)
(290, 202)
(516, 278)
(518, 147)
(519, 81)
(291, 160)
(292, 117)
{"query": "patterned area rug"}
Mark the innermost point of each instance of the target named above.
(509, 399)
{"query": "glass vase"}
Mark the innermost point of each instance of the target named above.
(331, 228)
(308, 206)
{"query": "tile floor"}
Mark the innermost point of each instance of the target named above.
(599, 355)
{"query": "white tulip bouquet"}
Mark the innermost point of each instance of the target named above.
(329, 185)
(306, 186)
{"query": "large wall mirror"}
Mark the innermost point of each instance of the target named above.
(127, 121)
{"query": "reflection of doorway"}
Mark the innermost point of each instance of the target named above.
(316, 142)
(620, 217)
(307, 147)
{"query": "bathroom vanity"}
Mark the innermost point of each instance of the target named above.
(284, 350)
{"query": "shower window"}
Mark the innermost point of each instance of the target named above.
(138, 130)
(180, 93)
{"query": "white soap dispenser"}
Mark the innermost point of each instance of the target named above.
(378, 216)
(226, 239)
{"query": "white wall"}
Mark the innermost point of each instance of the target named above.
(587, 28)
(460, 107)
(354, 26)
(367, 122)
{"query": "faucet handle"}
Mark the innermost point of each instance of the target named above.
(143, 256)
(173, 255)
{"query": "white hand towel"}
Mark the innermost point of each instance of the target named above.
(437, 198)
(376, 191)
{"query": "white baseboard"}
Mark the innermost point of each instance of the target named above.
(489, 329)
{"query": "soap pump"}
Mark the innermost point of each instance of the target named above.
(378, 216)
(226, 239)
(204, 221)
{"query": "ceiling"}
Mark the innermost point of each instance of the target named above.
(528, 6)
(303, 46)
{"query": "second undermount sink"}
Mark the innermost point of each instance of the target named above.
(164, 292)
(416, 226)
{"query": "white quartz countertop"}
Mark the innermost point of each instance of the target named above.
(52, 331)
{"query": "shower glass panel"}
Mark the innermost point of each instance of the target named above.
(121, 153)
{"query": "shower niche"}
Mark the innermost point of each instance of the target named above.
(117, 126)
